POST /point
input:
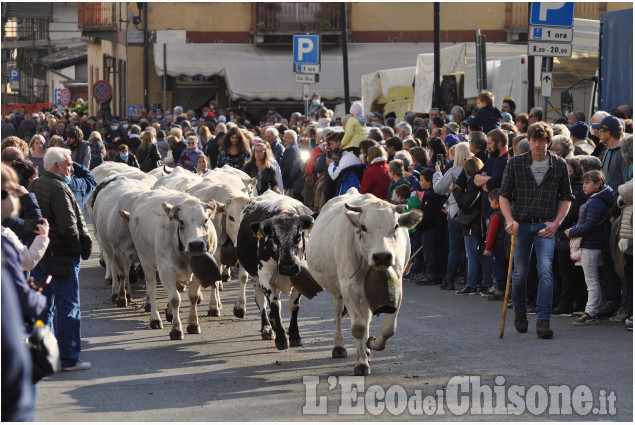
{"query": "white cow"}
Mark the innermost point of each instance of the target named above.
(179, 179)
(169, 228)
(352, 234)
(116, 193)
(108, 169)
(233, 176)
(227, 223)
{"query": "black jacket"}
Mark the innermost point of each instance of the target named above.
(467, 201)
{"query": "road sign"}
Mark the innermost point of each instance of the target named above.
(559, 14)
(306, 49)
(65, 97)
(307, 78)
(56, 95)
(546, 82)
(306, 69)
(14, 79)
(548, 49)
(542, 33)
(102, 91)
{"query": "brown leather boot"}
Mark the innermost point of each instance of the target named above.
(542, 329)
(520, 321)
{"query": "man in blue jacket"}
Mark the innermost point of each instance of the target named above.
(293, 184)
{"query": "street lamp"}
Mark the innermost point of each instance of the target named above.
(110, 64)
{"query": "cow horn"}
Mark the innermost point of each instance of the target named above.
(165, 170)
(353, 208)
(400, 208)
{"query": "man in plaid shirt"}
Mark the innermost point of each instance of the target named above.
(535, 196)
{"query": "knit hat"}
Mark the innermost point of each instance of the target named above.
(580, 130)
(451, 140)
(222, 118)
(356, 108)
(452, 127)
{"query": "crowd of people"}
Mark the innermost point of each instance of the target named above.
(563, 190)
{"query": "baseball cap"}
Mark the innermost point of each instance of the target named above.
(507, 117)
(451, 140)
(609, 123)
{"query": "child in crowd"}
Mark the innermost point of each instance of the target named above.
(487, 116)
(429, 227)
(402, 193)
(395, 172)
(594, 228)
(126, 157)
(495, 247)
(355, 129)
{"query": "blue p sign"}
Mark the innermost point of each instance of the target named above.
(306, 49)
(559, 14)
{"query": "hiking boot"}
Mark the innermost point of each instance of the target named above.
(542, 329)
(496, 296)
(467, 291)
(487, 292)
(520, 321)
(586, 319)
(447, 285)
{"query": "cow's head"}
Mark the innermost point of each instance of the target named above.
(284, 234)
(194, 230)
(377, 226)
(233, 208)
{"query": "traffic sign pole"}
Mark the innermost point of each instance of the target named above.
(547, 69)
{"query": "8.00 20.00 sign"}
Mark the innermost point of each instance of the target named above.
(541, 48)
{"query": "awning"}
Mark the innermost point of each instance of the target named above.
(452, 60)
(266, 73)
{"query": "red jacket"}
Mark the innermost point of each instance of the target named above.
(376, 180)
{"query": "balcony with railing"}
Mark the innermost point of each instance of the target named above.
(274, 22)
(97, 15)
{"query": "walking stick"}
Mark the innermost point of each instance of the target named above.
(509, 278)
(410, 263)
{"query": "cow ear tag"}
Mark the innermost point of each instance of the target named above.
(258, 234)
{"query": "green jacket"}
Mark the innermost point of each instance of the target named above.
(60, 208)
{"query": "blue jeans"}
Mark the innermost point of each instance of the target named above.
(499, 268)
(415, 244)
(526, 238)
(456, 249)
(479, 268)
(63, 314)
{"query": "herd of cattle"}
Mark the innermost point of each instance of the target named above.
(192, 230)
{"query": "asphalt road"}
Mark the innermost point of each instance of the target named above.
(228, 373)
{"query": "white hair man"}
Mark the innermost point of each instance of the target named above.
(69, 243)
(403, 130)
(292, 177)
(271, 136)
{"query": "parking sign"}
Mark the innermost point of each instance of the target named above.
(306, 49)
(558, 14)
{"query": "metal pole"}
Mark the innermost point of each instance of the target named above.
(530, 70)
(437, 54)
(347, 97)
(145, 57)
(547, 66)
(165, 77)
